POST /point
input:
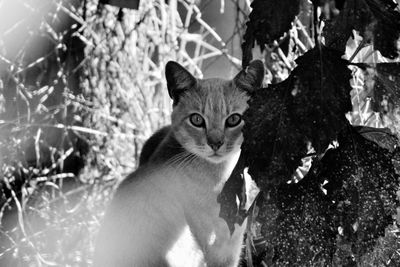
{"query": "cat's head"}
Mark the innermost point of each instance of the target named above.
(207, 114)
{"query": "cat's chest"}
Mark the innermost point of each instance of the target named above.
(209, 230)
(207, 234)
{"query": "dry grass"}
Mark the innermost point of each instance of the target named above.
(82, 88)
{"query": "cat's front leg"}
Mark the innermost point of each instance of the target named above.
(224, 249)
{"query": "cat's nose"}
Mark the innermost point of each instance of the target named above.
(215, 145)
(215, 139)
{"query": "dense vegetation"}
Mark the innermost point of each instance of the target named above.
(82, 87)
(345, 201)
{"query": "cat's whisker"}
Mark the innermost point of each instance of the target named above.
(189, 159)
(179, 156)
(183, 163)
(192, 158)
(177, 163)
(176, 159)
(180, 160)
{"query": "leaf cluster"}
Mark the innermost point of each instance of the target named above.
(268, 21)
(308, 107)
(377, 21)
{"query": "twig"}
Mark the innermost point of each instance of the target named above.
(358, 49)
(303, 30)
(282, 55)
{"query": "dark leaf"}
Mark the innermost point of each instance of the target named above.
(329, 8)
(132, 4)
(376, 20)
(302, 232)
(308, 107)
(380, 136)
(361, 180)
(233, 188)
(269, 20)
(337, 211)
(386, 87)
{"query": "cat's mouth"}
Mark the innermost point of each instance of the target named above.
(216, 157)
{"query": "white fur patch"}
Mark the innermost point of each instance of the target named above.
(231, 163)
(185, 251)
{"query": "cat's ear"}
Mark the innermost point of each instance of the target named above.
(178, 80)
(251, 78)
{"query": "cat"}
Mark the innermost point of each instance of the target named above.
(166, 213)
(152, 143)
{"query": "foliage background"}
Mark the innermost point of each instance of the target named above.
(82, 87)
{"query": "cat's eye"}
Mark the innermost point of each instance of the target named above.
(197, 120)
(233, 120)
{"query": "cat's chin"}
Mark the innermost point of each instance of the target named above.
(220, 158)
(216, 158)
(213, 158)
